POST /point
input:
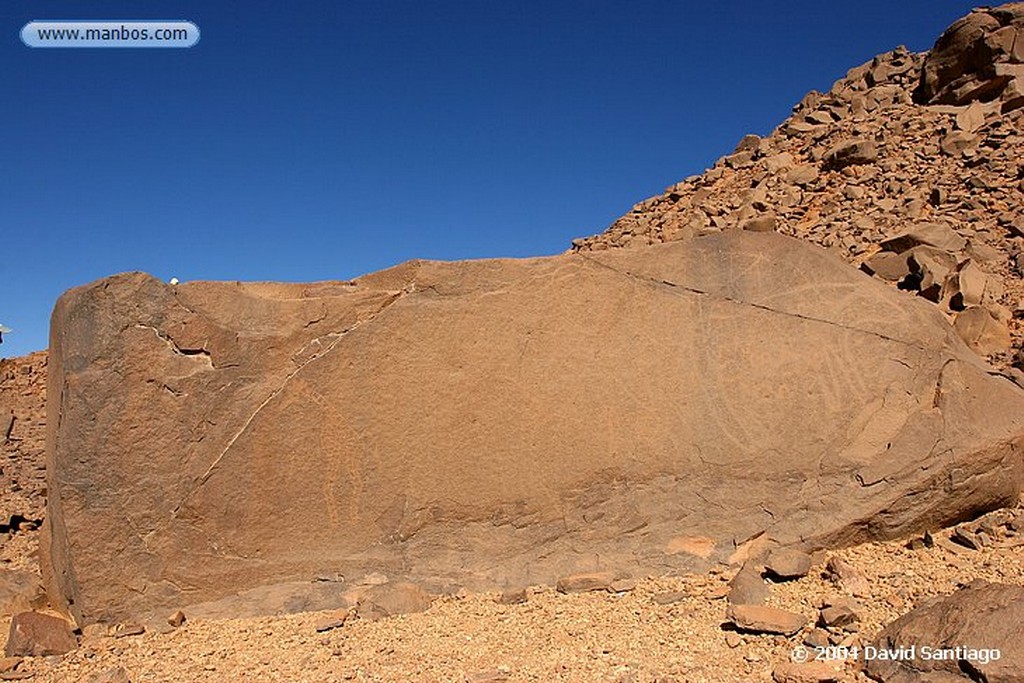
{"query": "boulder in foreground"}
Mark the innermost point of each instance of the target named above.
(974, 634)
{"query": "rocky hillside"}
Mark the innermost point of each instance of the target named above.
(22, 441)
(911, 167)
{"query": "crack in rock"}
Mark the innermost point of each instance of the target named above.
(662, 283)
(338, 336)
(200, 354)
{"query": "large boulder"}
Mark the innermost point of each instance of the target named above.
(975, 634)
(504, 422)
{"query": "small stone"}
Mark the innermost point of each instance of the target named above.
(391, 599)
(957, 142)
(375, 579)
(982, 331)
(787, 563)
(116, 674)
(817, 637)
(763, 619)
(847, 577)
(491, 676)
(747, 587)
(806, 672)
(582, 583)
(733, 639)
(749, 143)
(332, 623)
(887, 265)
(966, 538)
(804, 174)
(9, 664)
(669, 598)
(622, 585)
(972, 284)
(512, 597)
(850, 153)
(971, 118)
(34, 634)
(836, 616)
(760, 224)
(778, 162)
(176, 619)
(126, 630)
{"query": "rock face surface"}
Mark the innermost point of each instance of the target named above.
(502, 422)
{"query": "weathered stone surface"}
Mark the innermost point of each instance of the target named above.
(760, 224)
(847, 577)
(979, 619)
(851, 153)
(982, 331)
(888, 265)
(586, 582)
(788, 563)
(6, 423)
(764, 619)
(503, 422)
(34, 634)
(959, 67)
(937, 235)
(392, 599)
(839, 613)
(747, 587)
(19, 591)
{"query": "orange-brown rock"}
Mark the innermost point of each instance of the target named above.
(503, 422)
(35, 634)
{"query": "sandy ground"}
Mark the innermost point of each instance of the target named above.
(551, 637)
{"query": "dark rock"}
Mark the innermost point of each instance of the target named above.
(980, 620)
(763, 619)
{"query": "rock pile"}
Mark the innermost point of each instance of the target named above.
(909, 167)
(22, 443)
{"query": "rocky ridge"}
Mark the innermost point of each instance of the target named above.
(909, 167)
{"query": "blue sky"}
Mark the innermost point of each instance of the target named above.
(312, 140)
